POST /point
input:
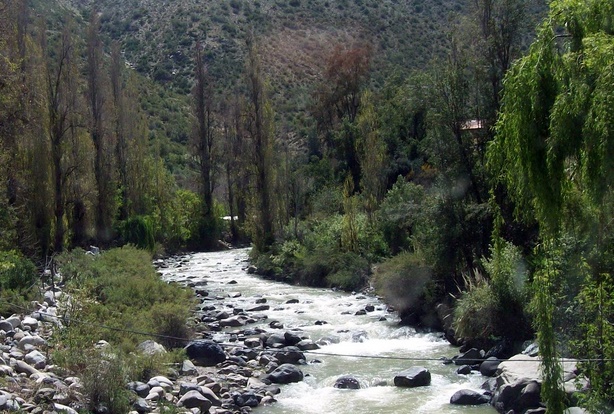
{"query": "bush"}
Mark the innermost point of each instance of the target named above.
(17, 277)
(104, 383)
(119, 289)
(16, 272)
(404, 281)
(139, 231)
(475, 312)
(496, 308)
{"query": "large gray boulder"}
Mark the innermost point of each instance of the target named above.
(472, 357)
(194, 399)
(413, 377)
(489, 367)
(285, 374)
(290, 355)
(205, 352)
(469, 397)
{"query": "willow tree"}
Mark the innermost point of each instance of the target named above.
(554, 152)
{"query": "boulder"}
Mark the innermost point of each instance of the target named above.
(347, 382)
(291, 338)
(489, 367)
(141, 406)
(464, 370)
(247, 399)
(285, 374)
(36, 359)
(30, 322)
(140, 388)
(413, 377)
(290, 355)
(307, 345)
(275, 340)
(472, 357)
(519, 396)
(150, 347)
(194, 399)
(233, 321)
(188, 368)
(205, 352)
(28, 343)
(469, 397)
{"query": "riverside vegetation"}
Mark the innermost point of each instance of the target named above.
(472, 187)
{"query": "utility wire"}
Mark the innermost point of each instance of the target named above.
(309, 352)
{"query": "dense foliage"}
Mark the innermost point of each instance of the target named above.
(428, 147)
(116, 297)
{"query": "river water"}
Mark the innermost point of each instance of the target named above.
(369, 348)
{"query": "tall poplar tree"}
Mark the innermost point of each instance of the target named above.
(204, 140)
(260, 129)
(103, 165)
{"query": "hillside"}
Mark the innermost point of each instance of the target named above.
(158, 36)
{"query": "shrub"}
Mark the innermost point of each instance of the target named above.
(119, 289)
(17, 277)
(496, 307)
(104, 383)
(139, 231)
(404, 280)
(16, 272)
(475, 312)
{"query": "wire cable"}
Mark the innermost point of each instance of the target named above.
(457, 361)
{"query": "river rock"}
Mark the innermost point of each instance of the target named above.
(233, 322)
(30, 322)
(150, 347)
(14, 321)
(36, 359)
(469, 397)
(247, 399)
(258, 308)
(290, 355)
(194, 399)
(291, 301)
(464, 370)
(285, 374)
(489, 367)
(60, 408)
(413, 377)
(140, 388)
(205, 352)
(22, 367)
(141, 406)
(188, 368)
(347, 382)
(291, 338)
(307, 345)
(29, 343)
(472, 357)
(518, 396)
(275, 340)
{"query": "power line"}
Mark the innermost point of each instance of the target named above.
(466, 361)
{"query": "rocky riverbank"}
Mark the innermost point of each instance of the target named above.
(239, 362)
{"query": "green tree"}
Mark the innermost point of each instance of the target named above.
(553, 152)
(98, 106)
(260, 129)
(204, 141)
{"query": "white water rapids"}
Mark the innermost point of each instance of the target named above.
(359, 337)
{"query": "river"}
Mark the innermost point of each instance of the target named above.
(371, 347)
